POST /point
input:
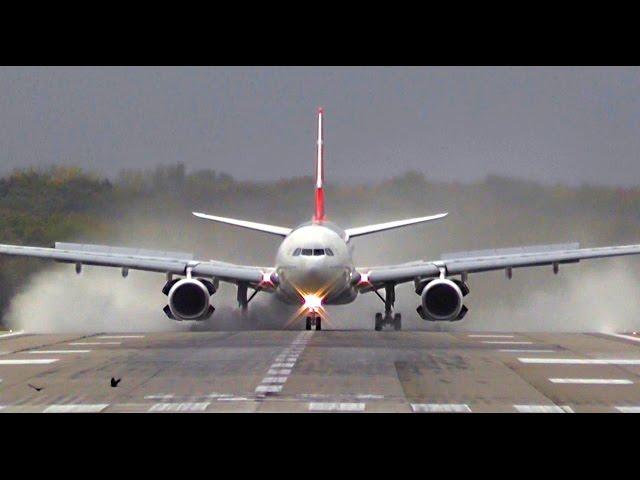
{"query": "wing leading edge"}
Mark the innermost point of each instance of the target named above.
(123, 258)
(465, 265)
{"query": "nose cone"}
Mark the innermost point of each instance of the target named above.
(315, 279)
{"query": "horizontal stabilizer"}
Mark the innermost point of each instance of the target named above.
(139, 252)
(557, 247)
(379, 227)
(260, 227)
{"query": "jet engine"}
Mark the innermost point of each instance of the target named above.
(441, 300)
(189, 299)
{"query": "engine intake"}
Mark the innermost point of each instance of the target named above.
(189, 299)
(442, 300)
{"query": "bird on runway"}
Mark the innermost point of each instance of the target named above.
(37, 389)
(115, 382)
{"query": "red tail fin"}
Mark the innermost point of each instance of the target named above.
(319, 214)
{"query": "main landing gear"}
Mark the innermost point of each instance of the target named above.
(314, 320)
(388, 318)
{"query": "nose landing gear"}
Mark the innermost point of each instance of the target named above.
(314, 320)
(388, 318)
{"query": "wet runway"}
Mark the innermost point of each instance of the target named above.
(327, 371)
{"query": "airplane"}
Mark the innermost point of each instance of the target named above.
(314, 267)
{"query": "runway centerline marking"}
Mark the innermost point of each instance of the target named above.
(283, 365)
(593, 381)
(29, 361)
(582, 361)
(115, 337)
(625, 337)
(94, 343)
(490, 336)
(56, 352)
(336, 407)
(440, 408)
(505, 342)
(76, 408)
(524, 350)
(541, 409)
(628, 409)
(180, 407)
(12, 334)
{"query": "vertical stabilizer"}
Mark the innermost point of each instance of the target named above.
(319, 212)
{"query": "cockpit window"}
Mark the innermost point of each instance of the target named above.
(296, 252)
(307, 252)
(318, 252)
(329, 252)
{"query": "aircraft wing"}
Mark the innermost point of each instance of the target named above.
(137, 259)
(474, 262)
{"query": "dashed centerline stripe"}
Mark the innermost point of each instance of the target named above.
(440, 408)
(628, 409)
(541, 409)
(505, 342)
(336, 407)
(94, 343)
(284, 362)
(76, 408)
(582, 361)
(180, 407)
(625, 337)
(524, 350)
(119, 336)
(490, 336)
(593, 381)
(29, 361)
(56, 352)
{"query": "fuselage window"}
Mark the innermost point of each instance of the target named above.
(307, 252)
(318, 252)
(329, 252)
(296, 252)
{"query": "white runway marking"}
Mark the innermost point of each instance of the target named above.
(593, 381)
(234, 399)
(524, 350)
(115, 337)
(490, 336)
(582, 361)
(500, 342)
(626, 337)
(94, 343)
(56, 352)
(180, 407)
(76, 408)
(268, 388)
(336, 407)
(539, 409)
(30, 361)
(283, 364)
(274, 379)
(167, 396)
(628, 409)
(12, 334)
(440, 408)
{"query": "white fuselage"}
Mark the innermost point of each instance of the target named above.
(316, 259)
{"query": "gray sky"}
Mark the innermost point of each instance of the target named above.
(554, 124)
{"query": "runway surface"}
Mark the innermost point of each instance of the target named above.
(326, 371)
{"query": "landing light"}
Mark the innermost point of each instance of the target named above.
(312, 302)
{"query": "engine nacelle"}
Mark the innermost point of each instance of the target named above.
(442, 301)
(189, 299)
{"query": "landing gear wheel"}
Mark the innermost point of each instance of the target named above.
(318, 323)
(397, 322)
(308, 324)
(378, 322)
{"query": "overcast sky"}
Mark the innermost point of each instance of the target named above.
(554, 124)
